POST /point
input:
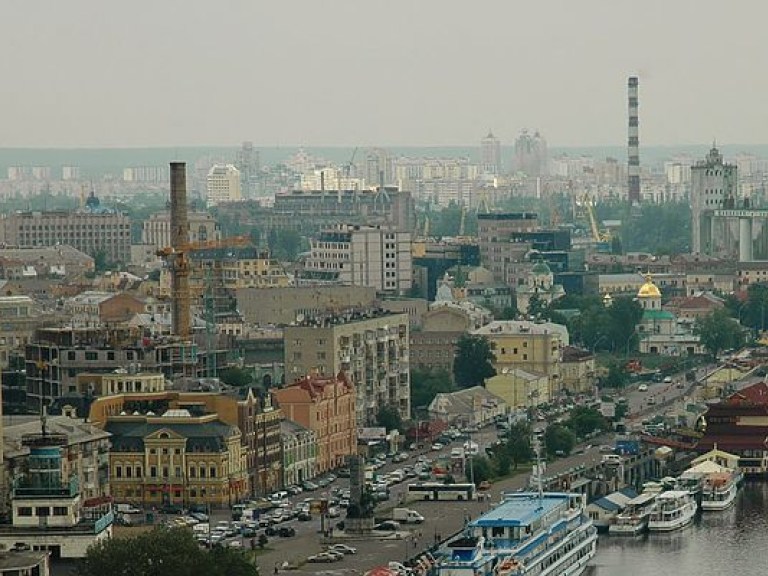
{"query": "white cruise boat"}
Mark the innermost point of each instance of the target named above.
(529, 533)
(633, 520)
(719, 491)
(671, 511)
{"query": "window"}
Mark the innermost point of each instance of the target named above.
(25, 511)
(59, 510)
(202, 471)
(177, 451)
(153, 471)
(193, 472)
(92, 356)
(138, 471)
(177, 472)
(118, 471)
(165, 451)
(213, 472)
(42, 511)
(165, 471)
(71, 355)
(128, 472)
(110, 355)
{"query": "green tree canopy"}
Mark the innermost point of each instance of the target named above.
(162, 552)
(584, 420)
(480, 469)
(519, 443)
(473, 362)
(389, 417)
(235, 376)
(428, 383)
(558, 438)
(718, 331)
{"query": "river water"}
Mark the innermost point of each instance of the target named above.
(718, 543)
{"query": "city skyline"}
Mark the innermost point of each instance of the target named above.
(401, 73)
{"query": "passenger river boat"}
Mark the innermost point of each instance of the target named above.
(528, 533)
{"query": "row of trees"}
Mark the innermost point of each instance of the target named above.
(515, 448)
(163, 552)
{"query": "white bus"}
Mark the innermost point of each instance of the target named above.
(439, 491)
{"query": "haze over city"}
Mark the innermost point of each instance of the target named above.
(347, 73)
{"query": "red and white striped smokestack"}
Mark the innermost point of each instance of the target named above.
(633, 143)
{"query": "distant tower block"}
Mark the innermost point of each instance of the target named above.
(633, 144)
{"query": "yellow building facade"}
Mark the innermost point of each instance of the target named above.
(530, 346)
(176, 459)
(519, 389)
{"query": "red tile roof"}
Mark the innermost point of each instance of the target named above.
(757, 394)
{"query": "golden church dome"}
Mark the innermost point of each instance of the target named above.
(649, 289)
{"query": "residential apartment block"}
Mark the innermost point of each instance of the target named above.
(325, 405)
(223, 185)
(371, 348)
(495, 231)
(363, 256)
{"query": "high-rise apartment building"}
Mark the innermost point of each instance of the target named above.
(310, 210)
(249, 164)
(223, 184)
(490, 154)
(531, 156)
(371, 349)
(494, 233)
(361, 256)
(104, 233)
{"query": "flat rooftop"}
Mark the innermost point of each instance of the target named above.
(521, 509)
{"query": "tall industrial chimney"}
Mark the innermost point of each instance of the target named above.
(180, 313)
(633, 144)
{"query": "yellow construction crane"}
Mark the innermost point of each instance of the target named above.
(597, 236)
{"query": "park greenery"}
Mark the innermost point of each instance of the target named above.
(426, 384)
(719, 331)
(163, 551)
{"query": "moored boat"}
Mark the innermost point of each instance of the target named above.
(633, 520)
(672, 510)
(547, 534)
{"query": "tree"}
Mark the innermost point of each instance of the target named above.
(623, 316)
(162, 552)
(235, 376)
(718, 331)
(584, 420)
(473, 362)
(537, 308)
(479, 470)
(617, 376)
(428, 383)
(559, 440)
(389, 417)
(519, 444)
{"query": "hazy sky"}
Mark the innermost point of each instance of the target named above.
(390, 72)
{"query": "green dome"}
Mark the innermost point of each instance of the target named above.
(541, 269)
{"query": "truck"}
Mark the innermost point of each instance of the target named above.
(407, 516)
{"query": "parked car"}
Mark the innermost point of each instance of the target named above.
(344, 549)
(305, 517)
(286, 532)
(310, 486)
(642, 388)
(390, 525)
(437, 446)
(322, 557)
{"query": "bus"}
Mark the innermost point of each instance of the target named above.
(439, 491)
